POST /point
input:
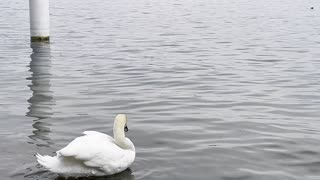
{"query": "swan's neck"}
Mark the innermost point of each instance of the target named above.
(118, 135)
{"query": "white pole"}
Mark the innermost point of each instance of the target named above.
(39, 20)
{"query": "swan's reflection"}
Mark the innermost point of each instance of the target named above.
(125, 175)
(41, 101)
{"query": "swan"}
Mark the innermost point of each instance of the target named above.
(94, 153)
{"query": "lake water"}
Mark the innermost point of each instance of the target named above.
(224, 90)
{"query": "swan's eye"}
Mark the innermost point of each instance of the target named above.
(126, 128)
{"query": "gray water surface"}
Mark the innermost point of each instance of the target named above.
(224, 90)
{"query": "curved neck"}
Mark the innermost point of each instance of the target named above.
(118, 134)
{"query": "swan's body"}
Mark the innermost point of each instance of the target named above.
(94, 154)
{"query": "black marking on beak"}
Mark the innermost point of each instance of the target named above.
(126, 129)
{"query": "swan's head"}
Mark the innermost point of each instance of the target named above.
(121, 122)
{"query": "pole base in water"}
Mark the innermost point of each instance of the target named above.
(40, 39)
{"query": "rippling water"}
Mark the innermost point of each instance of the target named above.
(213, 89)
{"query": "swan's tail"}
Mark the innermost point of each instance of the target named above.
(47, 161)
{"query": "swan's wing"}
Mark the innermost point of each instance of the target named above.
(94, 149)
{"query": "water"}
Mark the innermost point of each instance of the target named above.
(213, 89)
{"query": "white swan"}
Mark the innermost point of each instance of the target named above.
(94, 154)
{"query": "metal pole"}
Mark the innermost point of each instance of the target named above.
(39, 20)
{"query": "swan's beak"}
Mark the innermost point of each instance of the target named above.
(126, 129)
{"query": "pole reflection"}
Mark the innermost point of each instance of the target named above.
(42, 100)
